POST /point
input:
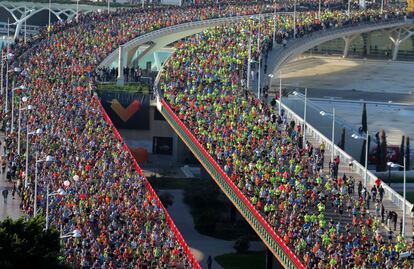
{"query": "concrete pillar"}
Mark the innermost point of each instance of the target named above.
(348, 40)
(398, 38)
(368, 44)
(121, 65)
(157, 61)
(18, 28)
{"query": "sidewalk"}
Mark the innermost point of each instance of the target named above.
(11, 208)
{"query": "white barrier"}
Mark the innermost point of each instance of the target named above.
(391, 194)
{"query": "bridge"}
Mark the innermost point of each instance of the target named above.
(393, 201)
(398, 31)
(34, 14)
(158, 39)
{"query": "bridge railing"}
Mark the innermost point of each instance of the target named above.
(250, 213)
(170, 222)
(295, 44)
(394, 196)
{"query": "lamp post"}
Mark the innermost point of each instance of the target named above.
(274, 23)
(366, 138)
(249, 59)
(60, 192)
(29, 107)
(294, 20)
(26, 172)
(323, 113)
(349, 8)
(304, 114)
(47, 159)
(382, 7)
(22, 87)
(319, 9)
(394, 165)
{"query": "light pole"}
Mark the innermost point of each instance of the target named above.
(29, 107)
(394, 165)
(60, 192)
(274, 23)
(366, 138)
(382, 7)
(349, 8)
(26, 172)
(50, 10)
(304, 114)
(22, 87)
(77, 11)
(319, 9)
(47, 159)
(249, 62)
(323, 113)
(294, 20)
(304, 117)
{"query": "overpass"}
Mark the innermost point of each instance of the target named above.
(279, 249)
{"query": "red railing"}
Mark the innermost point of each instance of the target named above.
(241, 196)
(177, 233)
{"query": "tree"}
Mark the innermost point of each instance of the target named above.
(24, 244)
(402, 152)
(364, 129)
(383, 150)
(342, 142)
(407, 153)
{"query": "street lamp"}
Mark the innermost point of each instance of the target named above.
(22, 87)
(249, 59)
(395, 165)
(59, 192)
(37, 132)
(366, 138)
(280, 90)
(274, 23)
(47, 159)
(75, 234)
(323, 113)
(294, 19)
(29, 107)
(304, 114)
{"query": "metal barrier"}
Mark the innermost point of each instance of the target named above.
(394, 196)
(281, 251)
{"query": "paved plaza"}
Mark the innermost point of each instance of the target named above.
(9, 207)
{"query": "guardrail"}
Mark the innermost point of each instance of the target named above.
(281, 251)
(299, 45)
(170, 222)
(394, 196)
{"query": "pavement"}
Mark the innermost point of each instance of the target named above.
(201, 246)
(8, 207)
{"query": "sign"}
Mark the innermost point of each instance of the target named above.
(126, 110)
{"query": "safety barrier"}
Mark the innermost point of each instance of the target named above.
(394, 196)
(249, 212)
(170, 222)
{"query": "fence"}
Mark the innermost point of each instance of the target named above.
(250, 213)
(394, 196)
